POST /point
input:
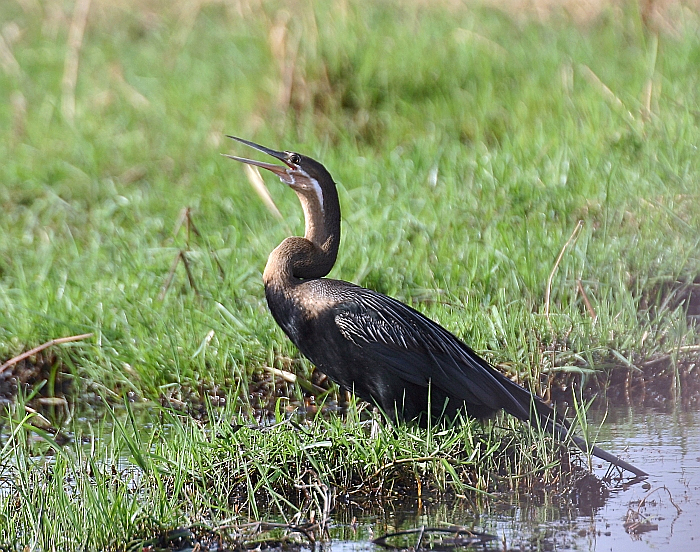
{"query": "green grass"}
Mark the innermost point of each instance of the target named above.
(466, 145)
(463, 168)
(139, 474)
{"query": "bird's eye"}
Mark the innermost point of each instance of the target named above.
(294, 159)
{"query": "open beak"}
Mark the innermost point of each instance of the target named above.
(278, 170)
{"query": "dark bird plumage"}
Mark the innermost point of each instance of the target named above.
(386, 352)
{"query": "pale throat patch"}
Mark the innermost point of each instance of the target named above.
(315, 186)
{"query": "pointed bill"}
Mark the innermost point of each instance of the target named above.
(282, 172)
(274, 153)
(277, 169)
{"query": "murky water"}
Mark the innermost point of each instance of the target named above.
(667, 445)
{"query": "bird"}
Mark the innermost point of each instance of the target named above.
(384, 351)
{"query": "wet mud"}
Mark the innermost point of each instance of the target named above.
(662, 381)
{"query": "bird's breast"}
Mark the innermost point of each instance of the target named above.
(299, 310)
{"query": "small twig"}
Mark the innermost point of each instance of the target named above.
(662, 488)
(189, 274)
(181, 256)
(589, 307)
(637, 522)
(688, 348)
(548, 292)
(182, 216)
(186, 219)
(191, 226)
(289, 377)
(169, 279)
(325, 492)
(43, 346)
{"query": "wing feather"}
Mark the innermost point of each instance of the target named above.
(419, 351)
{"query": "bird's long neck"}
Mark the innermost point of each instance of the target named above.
(312, 256)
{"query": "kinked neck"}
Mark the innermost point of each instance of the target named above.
(314, 255)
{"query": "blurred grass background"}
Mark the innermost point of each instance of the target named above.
(468, 140)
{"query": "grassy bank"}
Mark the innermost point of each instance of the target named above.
(531, 185)
(141, 474)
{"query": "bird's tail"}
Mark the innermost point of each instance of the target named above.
(561, 428)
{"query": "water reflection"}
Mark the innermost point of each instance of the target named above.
(668, 446)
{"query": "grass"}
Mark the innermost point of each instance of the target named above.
(460, 180)
(130, 481)
(467, 146)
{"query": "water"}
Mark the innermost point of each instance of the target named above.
(666, 444)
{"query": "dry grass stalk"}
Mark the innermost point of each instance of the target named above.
(608, 94)
(649, 85)
(19, 114)
(133, 96)
(589, 307)
(37, 419)
(8, 60)
(185, 23)
(258, 184)
(289, 377)
(548, 292)
(43, 346)
(70, 70)
(31, 7)
(179, 257)
(464, 36)
(186, 220)
(646, 96)
(285, 49)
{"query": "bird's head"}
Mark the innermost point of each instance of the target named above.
(304, 175)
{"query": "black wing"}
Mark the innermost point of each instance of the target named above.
(419, 351)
